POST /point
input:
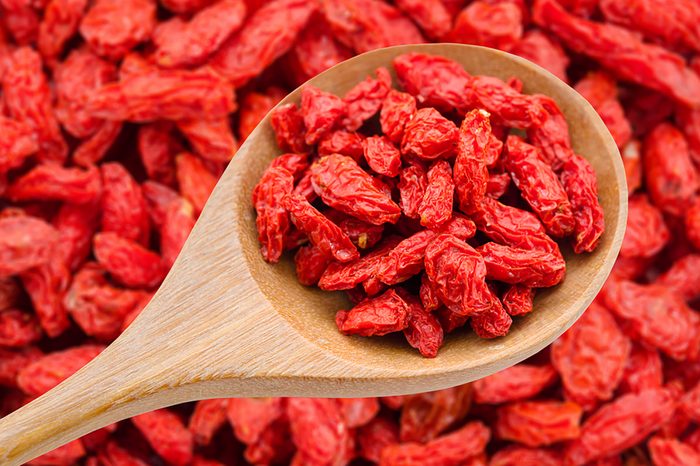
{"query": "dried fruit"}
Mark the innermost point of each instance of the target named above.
(656, 315)
(376, 316)
(538, 423)
(620, 424)
(25, 242)
(591, 356)
(85, 97)
(518, 382)
(181, 43)
(268, 34)
(112, 27)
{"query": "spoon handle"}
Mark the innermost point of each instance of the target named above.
(188, 344)
(110, 388)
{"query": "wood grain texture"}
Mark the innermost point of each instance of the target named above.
(226, 324)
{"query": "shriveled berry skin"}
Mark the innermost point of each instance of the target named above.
(436, 207)
(343, 185)
(323, 233)
(673, 179)
(433, 81)
(273, 218)
(322, 112)
(398, 109)
(620, 424)
(470, 171)
(539, 186)
(377, 316)
(462, 289)
(429, 135)
(657, 317)
(382, 156)
(180, 43)
(268, 34)
(539, 423)
(621, 50)
(591, 356)
(27, 98)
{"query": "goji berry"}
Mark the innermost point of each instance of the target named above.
(539, 187)
(98, 307)
(544, 50)
(429, 135)
(123, 206)
(315, 50)
(25, 242)
(518, 382)
(433, 81)
(189, 43)
(376, 316)
(432, 16)
(18, 329)
(127, 261)
(517, 300)
(538, 423)
(211, 139)
(382, 156)
(268, 34)
(364, 100)
(642, 371)
(491, 24)
(450, 450)
(250, 417)
(180, 94)
(46, 372)
(59, 24)
(671, 177)
(459, 273)
(621, 424)
(195, 180)
(365, 25)
(373, 437)
(112, 28)
(579, 181)
(343, 185)
(591, 356)
(207, 418)
(46, 182)
(656, 315)
(436, 206)
(600, 90)
(167, 435)
(27, 98)
(622, 51)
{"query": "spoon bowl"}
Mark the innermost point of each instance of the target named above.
(226, 324)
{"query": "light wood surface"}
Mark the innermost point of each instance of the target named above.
(226, 324)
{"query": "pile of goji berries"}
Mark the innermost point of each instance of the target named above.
(424, 242)
(113, 131)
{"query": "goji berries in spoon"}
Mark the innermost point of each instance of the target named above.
(457, 150)
(226, 323)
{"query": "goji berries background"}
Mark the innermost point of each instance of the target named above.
(117, 117)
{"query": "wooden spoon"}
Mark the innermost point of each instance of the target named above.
(226, 324)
